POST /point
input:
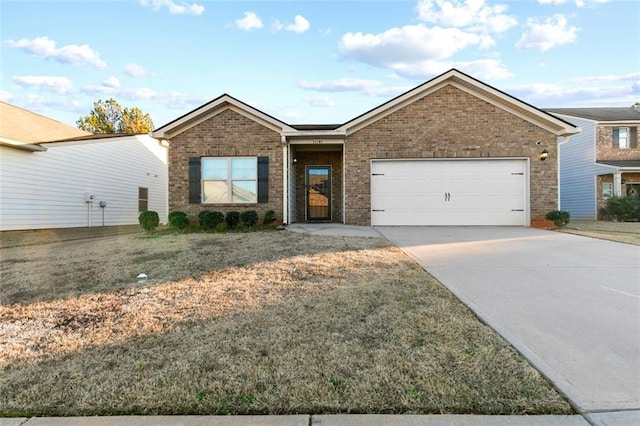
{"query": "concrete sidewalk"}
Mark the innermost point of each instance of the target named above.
(316, 420)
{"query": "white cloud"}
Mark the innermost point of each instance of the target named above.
(140, 93)
(111, 82)
(135, 70)
(5, 96)
(175, 8)
(320, 101)
(182, 101)
(300, 25)
(411, 43)
(548, 95)
(74, 54)
(624, 77)
(340, 85)
(49, 83)
(578, 3)
(471, 14)
(251, 21)
(552, 32)
(484, 69)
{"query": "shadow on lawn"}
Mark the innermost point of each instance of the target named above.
(71, 269)
(388, 340)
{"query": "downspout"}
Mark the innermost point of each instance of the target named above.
(285, 181)
(565, 139)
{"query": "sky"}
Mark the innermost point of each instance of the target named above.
(310, 62)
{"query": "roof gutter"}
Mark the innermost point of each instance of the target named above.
(22, 146)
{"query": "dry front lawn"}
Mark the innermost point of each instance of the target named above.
(255, 323)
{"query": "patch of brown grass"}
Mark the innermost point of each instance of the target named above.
(620, 237)
(257, 323)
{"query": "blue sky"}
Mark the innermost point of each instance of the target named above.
(303, 61)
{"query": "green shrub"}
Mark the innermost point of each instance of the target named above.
(232, 219)
(209, 220)
(178, 220)
(149, 220)
(559, 217)
(269, 217)
(623, 209)
(249, 218)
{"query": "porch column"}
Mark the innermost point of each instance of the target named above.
(285, 181)
(617, 184)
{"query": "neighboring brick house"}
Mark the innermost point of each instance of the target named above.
(601, 161)
(452, 151)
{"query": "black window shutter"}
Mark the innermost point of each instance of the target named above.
(194, 180)
(616, 137)
(263, 179)
(633, 137)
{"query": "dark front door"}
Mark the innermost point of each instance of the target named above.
(318, 193)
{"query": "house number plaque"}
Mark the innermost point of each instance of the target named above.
(317, 142)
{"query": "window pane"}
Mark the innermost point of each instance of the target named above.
(214, 168)
(244, 192)
(623, 137)
(215, 192)
(243, 168)
(143, 193)
(607, 190)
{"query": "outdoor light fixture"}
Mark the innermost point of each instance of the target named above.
(544, 154)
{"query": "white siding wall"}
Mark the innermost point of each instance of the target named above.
(47, 189)
(578, 169)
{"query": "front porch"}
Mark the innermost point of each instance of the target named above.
(621, 182)
(315, 182)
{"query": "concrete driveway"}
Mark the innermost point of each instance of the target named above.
(569, 304)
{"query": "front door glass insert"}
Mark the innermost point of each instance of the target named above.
(318, 193)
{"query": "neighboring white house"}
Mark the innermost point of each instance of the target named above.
(76, 181)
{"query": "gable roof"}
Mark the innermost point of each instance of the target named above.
(452, 77)
(20, 126)
(474, 87)
(214, 107)
(600, 114)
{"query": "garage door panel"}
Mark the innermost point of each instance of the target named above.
(446, 192)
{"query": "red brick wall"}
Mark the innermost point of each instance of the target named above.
(449, 123)
(227, 134)
(605, 149)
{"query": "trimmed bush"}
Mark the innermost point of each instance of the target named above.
(209, 220)
(269, 217)
(559, 217)
(149, 220)
(178, 220)
(232, 219)
(249, 218)
(623, 209)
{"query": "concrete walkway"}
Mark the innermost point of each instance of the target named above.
(569, 304)
(334, 229)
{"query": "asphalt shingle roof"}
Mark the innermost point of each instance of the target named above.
(599, 114)
(25, 126)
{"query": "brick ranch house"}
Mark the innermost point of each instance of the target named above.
(452, 151)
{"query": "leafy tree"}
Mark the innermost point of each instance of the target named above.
(109, 117)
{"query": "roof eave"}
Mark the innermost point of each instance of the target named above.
(22, 146)
(555, 125)
(212, 108)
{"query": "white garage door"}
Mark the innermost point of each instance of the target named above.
(449, 192)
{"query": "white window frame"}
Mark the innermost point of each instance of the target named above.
(229, 181)
(607, 193)
(623, 142)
